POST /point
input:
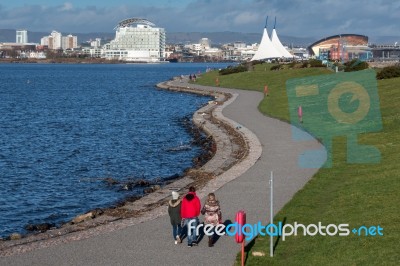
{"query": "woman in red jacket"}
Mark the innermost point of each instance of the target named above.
(190, 210)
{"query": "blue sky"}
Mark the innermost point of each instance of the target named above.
(302, 18)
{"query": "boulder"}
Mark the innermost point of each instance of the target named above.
(15, 236)
(83, 217)
(148, 190)
(39, 227)
(143, 183)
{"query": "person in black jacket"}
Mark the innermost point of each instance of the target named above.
(174, 211)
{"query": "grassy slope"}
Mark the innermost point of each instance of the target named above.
(362, 194)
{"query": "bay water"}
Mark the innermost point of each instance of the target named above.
(65, 128)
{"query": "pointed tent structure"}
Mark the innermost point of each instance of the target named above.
(266, 49)
(278, 45)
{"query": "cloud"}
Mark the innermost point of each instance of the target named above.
(66, 7)
(247, 17)
(311, 18)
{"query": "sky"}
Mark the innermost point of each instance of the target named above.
(299, 18)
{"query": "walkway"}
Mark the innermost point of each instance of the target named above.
(150, 243)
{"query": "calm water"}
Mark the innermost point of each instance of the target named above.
(64, 128)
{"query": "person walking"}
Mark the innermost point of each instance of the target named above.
(190, 211)
(213, 216)
(174, 211)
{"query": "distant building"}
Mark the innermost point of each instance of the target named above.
(386, 52)
(17, 46)
(93, 51)
(69, 42)
(37, 55)
(205, 43)
(96, 43)
(268, 49)
(238, 45)
(341, 47)
(21, 36)
(300, 52)
(53, 41)
(137, 40)
(44, 41)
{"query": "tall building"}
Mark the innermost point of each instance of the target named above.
(96, 43)
(69, 42)
(205, 43)
(53, 41)
(21, 36)
(56, 40)
(137, 40)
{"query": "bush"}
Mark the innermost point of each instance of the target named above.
(389, 72)
(355, 65)
(276, 67)
(257, 62)
(304, 65)
(292, 64)
(315, 63)
(233, 69)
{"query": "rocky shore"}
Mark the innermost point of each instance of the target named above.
(232, 150)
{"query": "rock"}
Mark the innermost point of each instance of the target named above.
(44, 226)
(97, 212)
(148, 190)
(30, 227)
(151, 189)
(111, 181)
(83, 217)
(15, 236)
(258, 253)
(127, 186)
(143, 183)
(39, 227)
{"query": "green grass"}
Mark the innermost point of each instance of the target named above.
(357, 194)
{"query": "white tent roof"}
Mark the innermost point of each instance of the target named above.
(266, 49)
(278, 45)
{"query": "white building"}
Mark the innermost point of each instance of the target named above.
(69, 42)
(21, 36)
(205, 43)
(93, 51)
(271, 48)
(53, 41)
(239, 45)
(96, 43)
(44, 41)
(197, 48)
(137, 40)
(37, 55)
(213, 52)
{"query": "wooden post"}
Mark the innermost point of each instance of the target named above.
(243, 253)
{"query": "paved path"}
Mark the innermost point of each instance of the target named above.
(151, 243)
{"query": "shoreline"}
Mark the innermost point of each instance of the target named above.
(237, 149)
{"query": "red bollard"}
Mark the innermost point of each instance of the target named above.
(239, 237)
(300, 113)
